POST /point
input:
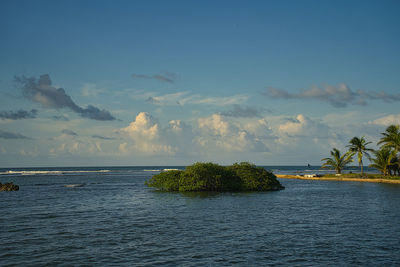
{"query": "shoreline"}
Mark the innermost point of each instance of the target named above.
(369, 180)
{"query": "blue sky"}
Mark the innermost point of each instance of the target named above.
(173, 82)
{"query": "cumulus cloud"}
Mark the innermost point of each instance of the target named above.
(387, 120)
(215, 125)
(217, 133)
(18, 115)
(242, 112)
(178, 127)
(41, 91)
(69, 132)
(168, 77)
(310, 137)
(11, 135)
(339, 96)
(207, 137)
(302, 126)
(146, 133)
(144, 125)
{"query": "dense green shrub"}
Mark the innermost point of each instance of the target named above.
(213, 177)
(255, 178)
(166, 181)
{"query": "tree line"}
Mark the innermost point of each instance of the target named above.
(386, 159)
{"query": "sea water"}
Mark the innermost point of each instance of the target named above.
(112, 219)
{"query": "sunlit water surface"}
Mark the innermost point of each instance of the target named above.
(109, 217)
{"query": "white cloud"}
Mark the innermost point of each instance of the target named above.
(211, 135)
(91, 90)
(169, 99)
(146, 134)
(77, 147)
(304, 126)
(183, 98)
(220, 133)
(387, 120)
(221, 101)
(144, 126)
(215, 125)
(308, 136)
(180, 135)
(259, 128)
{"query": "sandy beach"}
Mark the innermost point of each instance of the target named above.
(339, 178)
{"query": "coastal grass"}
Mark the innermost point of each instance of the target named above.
(364, 176)
(350, 177)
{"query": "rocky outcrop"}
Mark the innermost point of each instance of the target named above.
(9, 187)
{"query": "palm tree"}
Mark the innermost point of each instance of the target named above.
(337, 162)
(391, 140)
(382, 160)
(359, 146)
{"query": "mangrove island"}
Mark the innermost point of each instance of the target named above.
(239, 177)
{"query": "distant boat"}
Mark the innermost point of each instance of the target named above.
(308, 165)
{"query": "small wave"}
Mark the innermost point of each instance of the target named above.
(165, 170)
(151, 170)
(48, 172)
(32, 172)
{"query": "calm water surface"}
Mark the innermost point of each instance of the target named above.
(114, 220)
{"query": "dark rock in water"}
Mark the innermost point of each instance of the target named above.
(9, 187)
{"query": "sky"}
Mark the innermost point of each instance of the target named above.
(134, 83)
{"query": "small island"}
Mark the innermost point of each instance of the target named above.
(239, 177)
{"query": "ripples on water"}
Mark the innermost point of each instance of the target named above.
(115, 220)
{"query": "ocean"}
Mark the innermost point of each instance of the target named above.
(106, 216)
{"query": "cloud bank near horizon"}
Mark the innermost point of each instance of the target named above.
(215, 137)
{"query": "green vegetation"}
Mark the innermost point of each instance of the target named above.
(383, 160)
(215, 178)
(386, 160)
(337, 162)
(391, 141)
(359, 146)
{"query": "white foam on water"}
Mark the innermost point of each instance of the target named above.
(74, 185)
(48, 172)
